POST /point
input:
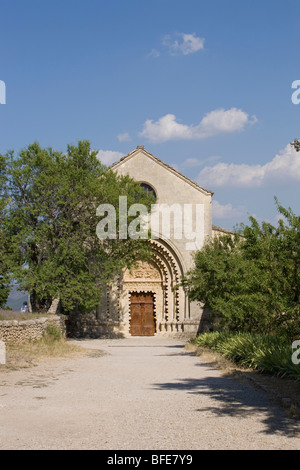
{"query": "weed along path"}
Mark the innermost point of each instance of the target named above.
(143, 393)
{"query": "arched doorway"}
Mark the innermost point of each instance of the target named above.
(157, 282)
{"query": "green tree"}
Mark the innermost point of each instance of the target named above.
(51, 220)
(252, 279)
(288, 236)
(4, 245)
(296, 145)
(228, 284)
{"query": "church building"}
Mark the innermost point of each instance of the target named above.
(149, 300)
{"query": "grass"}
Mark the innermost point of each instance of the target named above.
(11, 315)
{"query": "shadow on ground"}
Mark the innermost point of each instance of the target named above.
(231, 397)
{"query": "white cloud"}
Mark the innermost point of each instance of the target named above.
(193, 162)
(227, 211)
(154, 53)
(125, 137)
(284, 166)
(216, 122)
(188, 44)
(107, 157)
(220, 120)
(166, 128)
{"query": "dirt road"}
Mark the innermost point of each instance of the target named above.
(144, 393)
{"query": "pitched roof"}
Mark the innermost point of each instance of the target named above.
(217, 228)
(140, 148)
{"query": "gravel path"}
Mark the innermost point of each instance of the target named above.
(144, 393)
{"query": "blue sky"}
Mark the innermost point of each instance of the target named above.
(205, 86)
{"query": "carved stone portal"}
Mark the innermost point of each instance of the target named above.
(144, 270)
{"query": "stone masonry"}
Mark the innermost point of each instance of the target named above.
(16, 331)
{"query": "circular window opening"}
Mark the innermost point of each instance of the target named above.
(149, 190)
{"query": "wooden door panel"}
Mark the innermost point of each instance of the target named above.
(148, 320)
(136, 320)
(142, 315)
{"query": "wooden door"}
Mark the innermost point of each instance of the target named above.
(142, 321)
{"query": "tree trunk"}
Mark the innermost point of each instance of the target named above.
(54, 307)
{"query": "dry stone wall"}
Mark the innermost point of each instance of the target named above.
(21, 331)
(88, 326)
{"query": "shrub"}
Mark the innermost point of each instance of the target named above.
(265, 353)
(53, 333)
(251, 279)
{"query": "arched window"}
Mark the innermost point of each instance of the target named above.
(148, 189)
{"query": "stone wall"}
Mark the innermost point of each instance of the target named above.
(88, 326)
(19, 332)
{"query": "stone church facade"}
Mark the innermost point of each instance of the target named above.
(149, 300)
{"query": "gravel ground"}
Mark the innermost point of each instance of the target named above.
(144, 393)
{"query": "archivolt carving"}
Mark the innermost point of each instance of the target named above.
(174, 267)
(169, 257)
(143, 270)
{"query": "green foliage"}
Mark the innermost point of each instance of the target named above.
(53, 333)
(50, 220)
(296, 145)
(252, 279)
(5, 251)
(265, 353)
